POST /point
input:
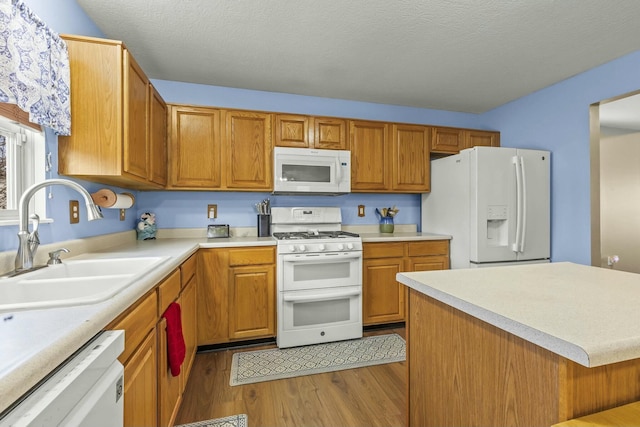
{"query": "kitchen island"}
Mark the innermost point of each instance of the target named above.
(523, 345)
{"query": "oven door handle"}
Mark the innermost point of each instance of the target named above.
(321, 297)
(321, 257)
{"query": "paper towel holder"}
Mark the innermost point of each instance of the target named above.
(106, 198)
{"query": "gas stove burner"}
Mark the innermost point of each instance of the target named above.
(303, 235)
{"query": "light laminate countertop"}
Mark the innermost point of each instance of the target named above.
(34, 342)
(589, 315)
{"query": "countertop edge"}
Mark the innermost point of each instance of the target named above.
(549, 342)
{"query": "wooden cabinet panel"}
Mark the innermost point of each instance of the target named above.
(235, 294)
(474, 138)
(252, 301)
(383, 298)
(368, 142)
(330, 133)
(195, 148)
(141, 385)
(168, 291)
(136, 123)
(169, 387)
(188, 269)
(292, 131)
(410, 165)
(248, 151)
(447, 140)
(136, 323)
(189, 310)
(157, 138)
(110, 106)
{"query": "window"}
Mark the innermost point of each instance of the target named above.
(21, 165)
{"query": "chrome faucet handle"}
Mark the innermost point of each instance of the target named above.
(54, 256)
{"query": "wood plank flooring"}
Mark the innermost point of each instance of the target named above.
(371, 396)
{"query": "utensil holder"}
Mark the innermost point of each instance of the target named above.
(264, 225)
(386, 224)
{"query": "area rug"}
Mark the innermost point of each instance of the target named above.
(273, 364)
(232, 421)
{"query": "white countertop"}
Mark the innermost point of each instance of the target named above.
(34, 342)
(587, 314)
(402, 237)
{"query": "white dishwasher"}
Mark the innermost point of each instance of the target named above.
(84, 391)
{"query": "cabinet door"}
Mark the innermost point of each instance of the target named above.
(370, 154)
(474, 138)
(141, 386)
(157, 138)
(429, 263)
(169, 387)
(330, 133)
(447, 140)
(189, 308)
(410, 158)
(292, 131)
(252, 302)
(195, 148)
(383, 299)
(248, 151)
(213, 296)
(136, 115)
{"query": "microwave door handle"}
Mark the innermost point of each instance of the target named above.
(338, 170)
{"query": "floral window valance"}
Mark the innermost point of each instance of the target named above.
(34, 67)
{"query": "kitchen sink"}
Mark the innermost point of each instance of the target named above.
(75, 282)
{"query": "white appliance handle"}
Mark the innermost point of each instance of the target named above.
(523, 217)
(338, 171)
(317, 258)
(518, 169)
(320, 297)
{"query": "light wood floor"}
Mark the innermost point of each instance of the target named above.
(371, 396)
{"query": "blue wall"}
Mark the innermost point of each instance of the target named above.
(555, 118)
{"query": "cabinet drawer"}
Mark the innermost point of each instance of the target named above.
(137, 323)
(168, 291)
(187, 270)
(432, 247)
(252, 256)
(382, 250)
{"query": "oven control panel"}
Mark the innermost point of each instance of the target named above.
(316, 247)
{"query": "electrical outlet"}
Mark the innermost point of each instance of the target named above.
(74, 212)
(360, 210)
(212, 211)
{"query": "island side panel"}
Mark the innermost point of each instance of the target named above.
(463, 371)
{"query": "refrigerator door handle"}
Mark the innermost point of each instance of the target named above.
(523, 217)
(517, 161)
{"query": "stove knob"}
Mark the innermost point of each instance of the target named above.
(321, 247)
(302, 248)
(340, 246)
(292, 248)
(350, 246)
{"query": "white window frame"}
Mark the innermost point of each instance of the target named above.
(26, 153)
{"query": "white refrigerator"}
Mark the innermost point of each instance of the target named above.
(494, 202)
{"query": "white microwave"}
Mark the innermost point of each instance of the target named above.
(306, 170)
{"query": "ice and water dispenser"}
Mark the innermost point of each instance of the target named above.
(497, 225)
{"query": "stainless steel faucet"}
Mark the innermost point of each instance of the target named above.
(28, 242)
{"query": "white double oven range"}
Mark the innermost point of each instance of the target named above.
(319, 280)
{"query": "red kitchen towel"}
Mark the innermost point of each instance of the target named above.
(176, 348)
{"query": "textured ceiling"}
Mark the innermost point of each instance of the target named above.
(456, 55)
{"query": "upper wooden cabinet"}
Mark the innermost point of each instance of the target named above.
(299, 131)
(370, 151)
(247, 151)
(410, 162)
(195, 148)
(214, 149)
(474, 138)
(157, 138)
(111, 107)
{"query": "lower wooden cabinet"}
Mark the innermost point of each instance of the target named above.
(236, 294)
(384, 299)
(152, 396)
